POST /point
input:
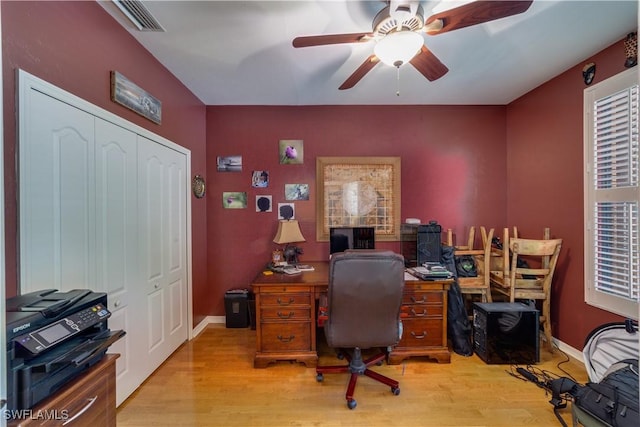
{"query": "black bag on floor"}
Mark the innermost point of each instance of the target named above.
(458, 325)
(614, 399)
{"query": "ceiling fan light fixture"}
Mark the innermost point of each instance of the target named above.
(398, 48)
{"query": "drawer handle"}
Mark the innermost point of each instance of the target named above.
(291, 301)
(424, 312)
(419, 337)
(283, 339)
(286, 316)
(82, 411)
(415, 301)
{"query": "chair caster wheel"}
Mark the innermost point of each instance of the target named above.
(319, 377)
(340, 356)
(395, 391)
(351, 403)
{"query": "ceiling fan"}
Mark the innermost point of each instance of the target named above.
(398, 28)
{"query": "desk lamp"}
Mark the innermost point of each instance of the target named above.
(289, 232)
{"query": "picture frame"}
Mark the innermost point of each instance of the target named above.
(133, 97)
(296, 191)
(229, 163)
(358, 192)
(234, 199)
(264, 203)
(277, 258)
(291, 151)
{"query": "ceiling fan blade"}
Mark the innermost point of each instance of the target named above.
(429, 65)
(358, 74)
(474, 13)
(306, 41)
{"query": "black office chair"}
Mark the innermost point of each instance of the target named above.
(363, 312)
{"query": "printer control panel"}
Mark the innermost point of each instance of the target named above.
(40, 340)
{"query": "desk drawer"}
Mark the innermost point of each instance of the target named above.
(285, 313)
(410, 297)
(416, 311)
(286, 336)
(421, 333)
(284, 300)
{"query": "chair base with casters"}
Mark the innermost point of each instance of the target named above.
(357, 367)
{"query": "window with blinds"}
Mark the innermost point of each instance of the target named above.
(612, 195)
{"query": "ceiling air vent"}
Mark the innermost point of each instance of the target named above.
(138, 15)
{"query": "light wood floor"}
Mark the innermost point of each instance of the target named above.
(210, 381)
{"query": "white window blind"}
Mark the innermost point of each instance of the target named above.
(612, 196)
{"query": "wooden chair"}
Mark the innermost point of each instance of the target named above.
(499, 264)
(480, 284)
(531, 282)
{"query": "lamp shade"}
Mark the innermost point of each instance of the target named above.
(288, 232)
(398, 48)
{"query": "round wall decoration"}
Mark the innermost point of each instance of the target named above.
(198, 186)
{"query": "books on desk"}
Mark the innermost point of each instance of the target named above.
(430, 271)
(290, 268)
(299, 268)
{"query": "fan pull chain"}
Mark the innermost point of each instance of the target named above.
(398, 81)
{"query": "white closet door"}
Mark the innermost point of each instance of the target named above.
(105, 208)
(56, 196)
(162, 227)
(117, 248)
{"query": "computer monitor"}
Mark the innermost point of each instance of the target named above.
(343, 238)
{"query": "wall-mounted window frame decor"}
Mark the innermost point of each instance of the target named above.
(358, 191)
(132, 96)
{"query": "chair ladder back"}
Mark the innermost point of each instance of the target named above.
(470, 239)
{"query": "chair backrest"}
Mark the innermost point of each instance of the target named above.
(537, 277)
(364, 299)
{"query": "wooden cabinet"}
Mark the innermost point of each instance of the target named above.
(285, 315)
(424, 322)
(285, 322)
(286, 318)
(89, 400)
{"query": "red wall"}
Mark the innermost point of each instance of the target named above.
(452, 163)
(545, 183)
(74, 45)
(457, 166)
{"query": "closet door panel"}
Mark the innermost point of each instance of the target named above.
(56, 196)
(162, 196)
(116, 247)
(176, 254)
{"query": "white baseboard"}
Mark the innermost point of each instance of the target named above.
(209, 320)
(572, 352)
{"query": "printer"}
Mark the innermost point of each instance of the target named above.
(52, 337)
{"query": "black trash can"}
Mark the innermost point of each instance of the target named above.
(236, 308)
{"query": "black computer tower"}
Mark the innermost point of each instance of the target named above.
(429, 242)
(506, 333)
(409, 244)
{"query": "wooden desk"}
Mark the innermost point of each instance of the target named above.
(286, 318)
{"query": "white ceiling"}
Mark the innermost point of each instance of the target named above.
(240, 52)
